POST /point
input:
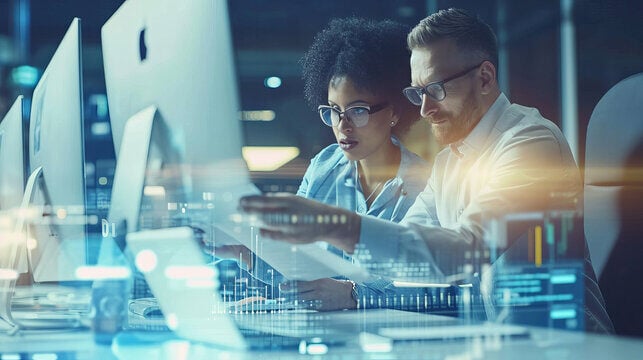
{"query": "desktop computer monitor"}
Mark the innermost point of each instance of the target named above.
(179, 59)
(12, 166)
(171, 85)
(12, 185)
(57, 242)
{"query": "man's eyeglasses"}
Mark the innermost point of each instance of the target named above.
(435, 89)
(358, 115)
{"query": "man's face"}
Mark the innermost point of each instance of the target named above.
(455, 116)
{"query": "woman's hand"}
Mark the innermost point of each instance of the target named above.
(325, 294)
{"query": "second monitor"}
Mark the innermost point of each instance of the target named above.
(12, 168)
(56, 185)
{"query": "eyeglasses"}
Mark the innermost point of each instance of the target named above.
(358, 115)
(435, 89)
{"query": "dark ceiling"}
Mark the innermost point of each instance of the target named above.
(271, 35)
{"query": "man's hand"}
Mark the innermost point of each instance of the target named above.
(299, 220)
(327, 294)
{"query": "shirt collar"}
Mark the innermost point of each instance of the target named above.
(350, 175)
(475, 141)
(405, 159)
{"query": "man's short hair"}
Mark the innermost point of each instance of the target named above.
(469, 32)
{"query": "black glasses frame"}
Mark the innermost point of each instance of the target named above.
(411, 91)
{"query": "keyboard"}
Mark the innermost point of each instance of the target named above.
(51, 298)
(51, 307)
(260, 304)
(145, 314)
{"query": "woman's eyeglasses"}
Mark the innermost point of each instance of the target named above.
(358, 115)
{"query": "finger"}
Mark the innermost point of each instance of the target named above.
(306, 300)
(262, 202)
(278, 218)
(292, 291)
(312, 301)
(301, 286)
(308, 296)
(250, 299)
(275, 234)
(279, 194)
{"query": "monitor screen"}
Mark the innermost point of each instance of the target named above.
(12, 185)
(56, 150)
(179, 59)
(12, 168)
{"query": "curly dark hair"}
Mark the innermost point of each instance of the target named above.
(372, 54)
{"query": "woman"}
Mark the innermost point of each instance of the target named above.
(354, 74)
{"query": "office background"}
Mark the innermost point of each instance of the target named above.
(557, 56)
(542, 43)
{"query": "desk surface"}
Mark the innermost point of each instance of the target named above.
(542, 344)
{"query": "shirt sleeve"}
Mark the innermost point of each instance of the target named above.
(305, 182)
(423, 211)
(530, 172)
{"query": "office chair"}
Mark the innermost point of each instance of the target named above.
(614, 202)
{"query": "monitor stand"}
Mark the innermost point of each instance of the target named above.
(146, 146)
(14, 254)
(18, 261)
(145, 149)
(19, 258)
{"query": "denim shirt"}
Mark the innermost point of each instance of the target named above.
(332, 179)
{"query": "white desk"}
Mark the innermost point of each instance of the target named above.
(542, 344)
(66, 345)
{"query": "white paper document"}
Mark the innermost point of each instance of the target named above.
(308, 262)
(295, 262)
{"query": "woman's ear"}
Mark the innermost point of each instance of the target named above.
(395, 118)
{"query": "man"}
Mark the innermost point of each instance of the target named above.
(500, 158)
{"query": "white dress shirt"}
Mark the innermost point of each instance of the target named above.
(513, 161)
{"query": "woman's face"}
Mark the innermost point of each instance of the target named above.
(370, 140)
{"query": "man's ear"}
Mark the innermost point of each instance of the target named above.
(488, 77)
